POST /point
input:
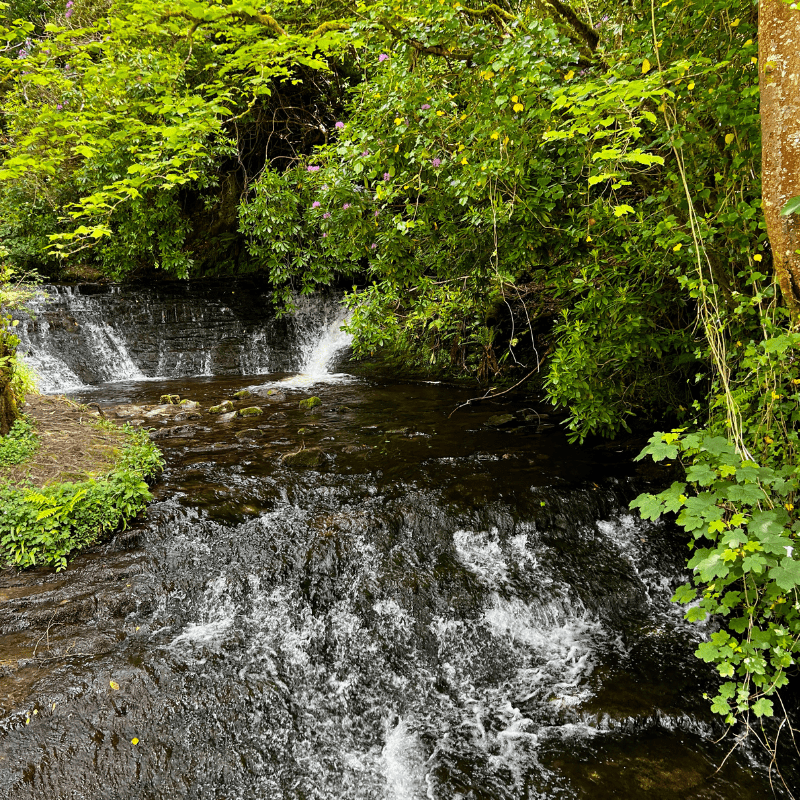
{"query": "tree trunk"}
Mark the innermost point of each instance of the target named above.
(779, 74)
(8, 403)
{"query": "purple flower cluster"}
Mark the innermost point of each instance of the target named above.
(382, 57)
(373, 246)
(386, 176)
(424, 107)
(326, 215)
(315, 204)
(325, 235)
(437, 162)
(339, 125)
(346, 206)
(313, 169)
(68, 13)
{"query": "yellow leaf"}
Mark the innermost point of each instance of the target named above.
(570, 75)
(114, 685)
(753, 60)
(645, 66)
(677, 247)
(463, 116)
(396, 148)
(735, 22)
(135, 741)
(748, 43)
(728, 138)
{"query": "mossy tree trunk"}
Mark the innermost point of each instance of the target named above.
(8, 403)
(779, 73)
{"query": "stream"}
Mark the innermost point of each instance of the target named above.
(441, 609)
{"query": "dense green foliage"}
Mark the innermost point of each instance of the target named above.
(20, 443)
(529, 188)
(44, 526)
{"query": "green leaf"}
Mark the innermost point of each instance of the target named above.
(792, 206)
(763, 707)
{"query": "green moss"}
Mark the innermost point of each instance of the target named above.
(170, 399)
(253, 411)
(310, 402)
(222, 408)
(20, 443)
(45, 526)
(243, 394)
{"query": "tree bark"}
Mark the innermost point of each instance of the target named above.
(8, 403)
(779, 74)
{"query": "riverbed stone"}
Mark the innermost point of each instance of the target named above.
(398, 431)
(250, 433)
(187, 415)
(224, 407)
(170, 399)
(306, 458)
(173, 432)
(309, 402)
(501, 420)
(243, 394)
(252, 411)
(189, 404)
(276, 396)
(277, 415)
(229, 417)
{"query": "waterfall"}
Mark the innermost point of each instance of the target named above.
(85, 335)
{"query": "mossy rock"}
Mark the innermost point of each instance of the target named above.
(250, 433)
(309, 403)
(189, 404)
(252, 411)
(308, 458)
(276, 396)
(170, 399)
(243, 394)
(302, 431)
(224, 407)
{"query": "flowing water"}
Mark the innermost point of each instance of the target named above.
(440, 609)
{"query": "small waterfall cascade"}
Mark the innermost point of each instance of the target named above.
(79, 336)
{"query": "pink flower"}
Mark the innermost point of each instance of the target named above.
(325, 235)
(373, 246)
(326, 215)
(437, 162)
(424, 107)
(382, 57)
(315, 204)
(376, 214)
(386, 176)
(346, 206)
(339, 125)
(313, 169)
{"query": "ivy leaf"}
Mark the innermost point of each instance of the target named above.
(792, 206)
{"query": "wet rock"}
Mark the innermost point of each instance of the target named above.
(356, 448)
(159, 411)
(398, 431)
(308, 457)
(170, 399)
(229, 417)
(302, 431)
(277, 416)
(252, 411)
(128, 411)
(186, 415)
(276, 396)
(243, 394)
(222, 408)
(189, 404)
(501, 420)
(250, 433)
(309, 403)
(174, 431)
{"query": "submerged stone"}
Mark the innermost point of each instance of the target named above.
(189, 404)
(243, 394)
(176, 430)
(501, 420)
(275, 396)
(186, 415)
(277, 415)
(309, 403)
(222, 408)
(229, 417)
(252, 411)
(170, 399)
(307, 457)
(250, 433)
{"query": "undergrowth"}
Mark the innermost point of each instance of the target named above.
(45, 526)
(20, 443)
